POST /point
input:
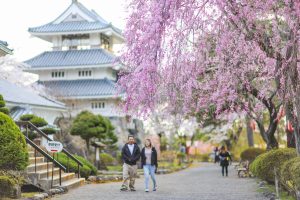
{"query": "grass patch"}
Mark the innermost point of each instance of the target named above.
(115, 168)
(29, 194)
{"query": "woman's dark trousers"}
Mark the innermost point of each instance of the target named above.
(225, 168)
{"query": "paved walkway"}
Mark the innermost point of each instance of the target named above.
(197, 183)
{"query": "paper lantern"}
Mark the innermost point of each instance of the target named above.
(290, 126)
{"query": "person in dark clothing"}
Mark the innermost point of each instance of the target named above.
(149, 164)
(216, 152)
(130, 155)
(224, 160)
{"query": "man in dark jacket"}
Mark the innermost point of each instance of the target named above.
(130, 154)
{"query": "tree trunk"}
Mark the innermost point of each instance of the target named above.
(249, 132)
(296, 125)
(290, 134)
(87, 144)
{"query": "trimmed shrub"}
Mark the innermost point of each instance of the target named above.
(254, 164)
(38, 121)
(251, 153)
(4, 110)
(2, 103)
(87, 163)
(13, 148)
(49, 131)
(35, 120)
(119, 157)
(107, 159)
(85, 171)
(27, 117)
(263, 166)
(290, 174)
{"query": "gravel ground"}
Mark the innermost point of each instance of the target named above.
(201, 182)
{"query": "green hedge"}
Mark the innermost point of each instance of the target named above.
(4, 110)
(251, 153)
(35, 120)
(290, 174)
(49, 131)
(85, 171)
(2, 103)
(13, 148)
(87, 163)
(263, 166)
(27, 117)
(107, 159)
(38, 121)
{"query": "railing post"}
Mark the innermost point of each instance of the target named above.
(35, 160)
(68, 164)
(48, 169)
(52, 171)
(59, 176)
(27, 130)
(78, 171)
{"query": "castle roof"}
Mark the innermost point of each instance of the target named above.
(4, 47)
(18, 95)
(76, 19)
(83, 88)
(71, 58)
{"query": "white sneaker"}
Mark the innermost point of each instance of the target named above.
(146, 190)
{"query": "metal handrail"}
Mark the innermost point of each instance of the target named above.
(41, 151)
(20, 123)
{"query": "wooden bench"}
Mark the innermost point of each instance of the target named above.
(243, 170)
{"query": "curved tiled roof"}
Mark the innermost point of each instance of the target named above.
(71, 58)
(81, 88)
(70, 27)
(15, 94)
(76, 26)
(4, 47)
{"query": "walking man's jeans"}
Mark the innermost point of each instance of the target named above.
(226, 169)
(149, 170)
(129, 173)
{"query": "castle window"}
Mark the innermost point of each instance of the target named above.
(105, 43)
(98, 105)
(87, 73)
(58, 74)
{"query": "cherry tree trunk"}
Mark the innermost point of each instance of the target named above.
(249, 132)
(291, 143)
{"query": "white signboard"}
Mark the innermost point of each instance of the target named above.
(54, 146)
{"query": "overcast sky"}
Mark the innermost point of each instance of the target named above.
(16, 16)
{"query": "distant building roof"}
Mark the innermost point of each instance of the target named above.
(97, 23)
(82, 88)
(71, 58)
(4, 47)
(22, 96)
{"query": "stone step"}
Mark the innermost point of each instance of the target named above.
(73, 183)
(64, 177)
(42, 174)
(38, 160)
(31, 153)
(39, 167)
